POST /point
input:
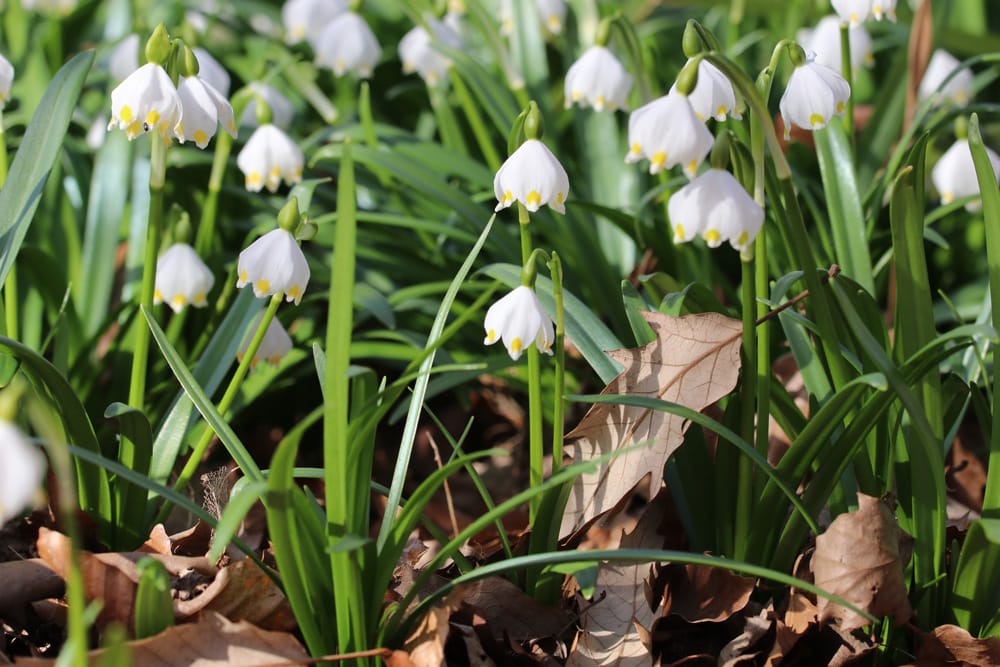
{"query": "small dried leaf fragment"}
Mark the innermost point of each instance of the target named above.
(951, 645)
(694, 361)
(242, 592)
(858, 558)
(213, 641)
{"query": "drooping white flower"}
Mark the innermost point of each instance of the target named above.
(281, 109)
(667, 132)
(418, 54)
(519, 320)
(305, 19)
(552, 14)
(940, 66)
(824, 41)
(815, 94)
(182, 278)
(597, 79)
(716, 207)
(6, 79)
(954, 175)
(713, 95)
(21, 473)
(347, 44)
(212, 71)
(885, 8)
(123, 59)
(533, 176)
(57, 7)
(852, 12)
(146, 100)
(274, 263)
(274, 346)
(268, 157)
(204, 110)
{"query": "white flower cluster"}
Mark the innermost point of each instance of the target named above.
(341, 39)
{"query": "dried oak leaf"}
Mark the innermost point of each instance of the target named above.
(858, 559)
(951, 645)
(699, 593)
(213, 641)
(509, 610)
(694, 361)
(242, 591)
(615, 628)
(425, 646)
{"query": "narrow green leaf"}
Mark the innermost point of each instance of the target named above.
(154, 605)
(135, 450)
(975, 595)
(240, 502)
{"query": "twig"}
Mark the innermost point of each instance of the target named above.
(831, 273)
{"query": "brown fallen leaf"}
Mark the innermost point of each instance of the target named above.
(425, 646)
(699, 593)
(509, 610)
(241, 591)
(213, 641)
(615, 627)
(24, 582)
(738, 650)
(951, 645)
(694, 361)
(858, 559)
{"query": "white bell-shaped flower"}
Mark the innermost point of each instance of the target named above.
(852, 12)
(954, 175)
(667, 132)
(884, 8)
(941, 65)
(716, 207)
(268, 157)
(281, 109)
(274, 263)
(305, 19)
(274, 346)
(212, 71)
(824, 41)
(597, 79)
(713, 95)
(533, 176)
(146, 100)
(519, 320)
(347, 44)
(418, 54)
(56, 7)
(182, 278)
(204, 110)
(552, 14)
(6, 80)
(123, 59)
(815, 94)
(22, 471)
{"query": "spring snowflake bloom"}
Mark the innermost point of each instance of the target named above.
(21, 473)
(347, 44)
(6, 79)
(815, 94)
(268, 157)
(273, 348)
(941, 65)
(533, 176)
(552, 13)
(518, 320)
(305, 19)
(146, 100)
(281, 109)
(418, 54)
(824, 41)
(58, 7)
(713, 95)
(885, 8)
(123, 59)
(667, 132)
(182, 278)
(597, 79)
(204, 109)
(716, 207)
(274, 263)
(211, 71)
(853, 12)
(954, 175)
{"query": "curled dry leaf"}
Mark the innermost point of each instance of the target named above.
(698, 593)
(739, 650)
(242, 592)
(951, 645)
(213, 641)
(694, 361)
(858, 559)
(510, 611)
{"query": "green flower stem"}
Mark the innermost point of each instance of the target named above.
(10, 286)
(848, 73)
(748, 397)
(140, 355)
(451, 135)
(558, 406)
(204, 240)
(536, 446)
(352, 617)
(232, 391)
(475, 119)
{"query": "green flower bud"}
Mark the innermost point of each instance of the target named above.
(534, 127)
(158, 46)
(688, 78)
(288, 216)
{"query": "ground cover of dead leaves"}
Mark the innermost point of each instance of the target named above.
(639, 614)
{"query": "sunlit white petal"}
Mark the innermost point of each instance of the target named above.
(519, 320)
(182, 278)
(274, 263)
(533, 176)
(667, 132)
(268, 157)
